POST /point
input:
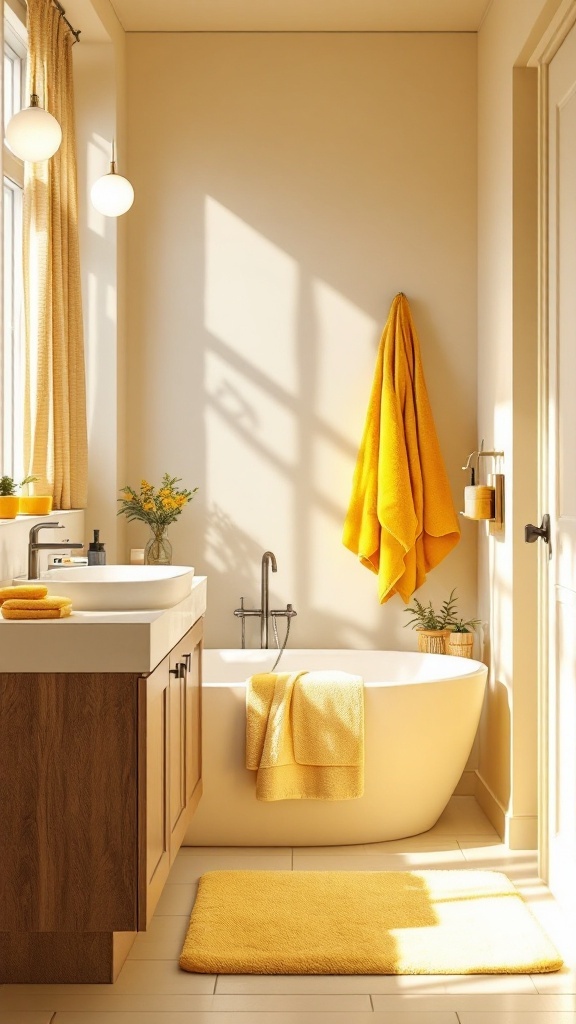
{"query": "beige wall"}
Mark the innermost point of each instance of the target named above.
(507, 403)
(100, 95)
(287, 186)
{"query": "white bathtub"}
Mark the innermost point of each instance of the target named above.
(421, 716)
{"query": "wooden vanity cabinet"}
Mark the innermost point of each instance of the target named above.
(99, 777)
(170, 713)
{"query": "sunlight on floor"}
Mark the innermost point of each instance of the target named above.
(152, 989)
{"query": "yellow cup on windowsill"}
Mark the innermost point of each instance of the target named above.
(35, 504)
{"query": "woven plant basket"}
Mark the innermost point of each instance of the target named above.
(433, 641)
(460, 644)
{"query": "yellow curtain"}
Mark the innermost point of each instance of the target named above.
(55, 436)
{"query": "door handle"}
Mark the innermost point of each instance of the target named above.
(179, 671)
(532, 533)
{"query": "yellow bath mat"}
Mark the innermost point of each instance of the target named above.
(363, 922)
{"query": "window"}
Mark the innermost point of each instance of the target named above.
(12, 347)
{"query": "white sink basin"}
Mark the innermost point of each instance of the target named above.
(120, 587)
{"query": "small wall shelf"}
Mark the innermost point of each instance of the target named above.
(494, 484)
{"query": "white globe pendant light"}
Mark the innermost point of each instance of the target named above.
(112, 194)
(33, 133)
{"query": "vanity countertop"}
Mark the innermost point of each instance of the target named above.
(99, 641)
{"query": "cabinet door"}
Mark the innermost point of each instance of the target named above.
(185, 734)
(154, 754)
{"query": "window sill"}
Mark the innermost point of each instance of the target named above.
(34, 520)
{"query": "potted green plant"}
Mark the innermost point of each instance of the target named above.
(460, 642)
(9, 500)
(13, 504)
(433, 627)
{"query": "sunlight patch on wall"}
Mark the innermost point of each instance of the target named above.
(252, 414)
(347, 341)
(251, 294)
(243, 480)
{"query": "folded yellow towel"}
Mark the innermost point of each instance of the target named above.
(41, 608)
(25, 590)
(401, 520)
(305, 735)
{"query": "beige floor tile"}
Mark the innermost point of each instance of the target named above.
(24, 1017)
(281, 1017)
(493, 839)
(408, 860)
(190, 867)
(327, 983)
(560, 981)
(232, 851)
(492, 1001)
(413, 845)
(163, 940)
(176, 900)
(483, 984)
(106, 999)
(482, 855)
(283, 1001)
(425, 841)
(517, 1017)
(419, 861)
(462, 815)
(416, 1017)
(140, 976)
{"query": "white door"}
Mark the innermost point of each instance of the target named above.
(561, 831)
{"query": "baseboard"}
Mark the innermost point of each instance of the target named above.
(522, 832)
(519, 832)
(491, 806)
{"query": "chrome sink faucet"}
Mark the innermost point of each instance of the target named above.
(264, 612)
(34, 546)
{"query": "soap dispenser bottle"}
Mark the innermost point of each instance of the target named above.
(96, 552)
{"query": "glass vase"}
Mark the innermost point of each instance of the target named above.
(158, 550)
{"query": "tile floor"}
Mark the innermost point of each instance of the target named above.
(152, 990)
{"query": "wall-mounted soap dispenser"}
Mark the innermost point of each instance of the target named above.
(484, 501)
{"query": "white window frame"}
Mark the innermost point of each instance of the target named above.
(12, 343)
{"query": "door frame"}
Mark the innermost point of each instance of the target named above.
(555, 34)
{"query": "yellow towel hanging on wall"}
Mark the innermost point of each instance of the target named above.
(401, 520)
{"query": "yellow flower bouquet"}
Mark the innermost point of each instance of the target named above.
(157, 508)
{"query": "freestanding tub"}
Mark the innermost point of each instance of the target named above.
(421, 716)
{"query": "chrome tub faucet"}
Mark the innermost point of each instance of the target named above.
(264, 612)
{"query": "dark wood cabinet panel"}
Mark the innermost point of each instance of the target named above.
(68, 798)
(99, 775)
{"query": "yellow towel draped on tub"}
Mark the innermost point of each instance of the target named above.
(401, 520)
(305, 735)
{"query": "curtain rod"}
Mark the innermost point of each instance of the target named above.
(75, 32)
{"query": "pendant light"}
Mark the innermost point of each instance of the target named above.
(112, 194)
(33, 133)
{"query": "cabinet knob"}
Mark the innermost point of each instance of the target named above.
(179, 671)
